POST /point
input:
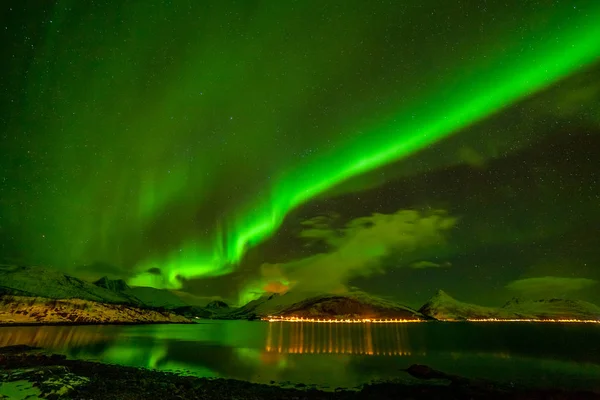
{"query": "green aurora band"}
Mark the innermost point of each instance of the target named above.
(164, 140)
(493, 83)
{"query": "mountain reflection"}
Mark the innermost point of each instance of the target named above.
(55, 338)
(314, 338)
(332, 355)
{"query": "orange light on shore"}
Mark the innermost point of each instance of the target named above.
(341, 321)
(400, 321)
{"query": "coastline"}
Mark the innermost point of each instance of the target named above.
(33, 311)
(266, 320)
(55, 376)
(83, 323)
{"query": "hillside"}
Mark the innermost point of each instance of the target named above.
(148, 296)
(115, 285)
(45, 295)
(53, 284)
(444, 307)
(267, 304)
(553, 309)
(218, 306)
(106, 300)
(153, 297)
(352, 305)
(39, 310)
(214, 310)
(310, 305)
(195, 312)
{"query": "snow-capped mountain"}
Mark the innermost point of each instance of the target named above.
(553, 309)
(348, 305)
(46, 295)
(443, 306)
(53, 284)
(39, 310)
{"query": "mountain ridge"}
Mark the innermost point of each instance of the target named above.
(16, 310)
(49, 283)
(37, 281)
(444, 307)
(353, 305)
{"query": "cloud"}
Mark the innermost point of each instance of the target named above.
(275, 287)
(550, 285)
(429, 264)
(318, 229)
(359, 249)
(273, 279)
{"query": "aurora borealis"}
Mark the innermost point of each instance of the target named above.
(228, 148)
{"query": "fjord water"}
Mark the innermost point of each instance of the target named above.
(337, 355)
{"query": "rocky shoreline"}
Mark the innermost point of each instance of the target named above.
(27, 370)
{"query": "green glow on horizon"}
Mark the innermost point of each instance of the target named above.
(486, 87)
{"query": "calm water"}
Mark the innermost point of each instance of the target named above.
(335, 355)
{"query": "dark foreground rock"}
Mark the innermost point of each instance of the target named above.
(55, 377)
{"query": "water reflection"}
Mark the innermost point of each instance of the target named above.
(334, 354)
(312, 338)
(57, 337)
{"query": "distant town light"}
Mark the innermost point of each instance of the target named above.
(399, 321)
(568, 321)
(343, 321)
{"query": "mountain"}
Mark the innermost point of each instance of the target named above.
(82, 301)
(148, 296)
(39, 310)
(444, 307)
(50, 283)
(553, 309)
(254, 309)
(267, 304)
(116, 285)
(216, 309)
(153, 297)
(30, 294)
(195, 312)
(351, 305)
(217, 305)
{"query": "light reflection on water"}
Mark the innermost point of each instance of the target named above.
(335, 354)
(53, 337)
(363, 339)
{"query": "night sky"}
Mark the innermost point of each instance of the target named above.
(228, 148)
